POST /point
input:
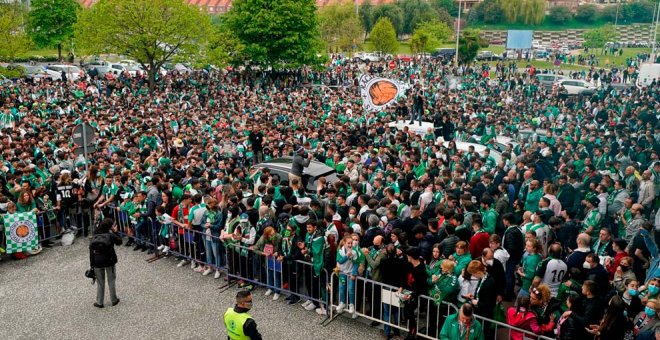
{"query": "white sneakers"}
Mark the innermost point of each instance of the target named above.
(309, 306)
(217, 274)
(340, 307)
(268, 292)
(193, 265)
(276, 296)
(351, 309)
(321, 311)
(182, 263)
(207, 271)
(163, 248)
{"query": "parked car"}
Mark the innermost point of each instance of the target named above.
(480, 149)
(35, 73)
(281, 167)
(367, 57)
(497, 41)
(55, 72)
(487, 56)
(576, 87)
(415, 127)
(548, 80)
(444, 53)
(404, 58)
(541, 54)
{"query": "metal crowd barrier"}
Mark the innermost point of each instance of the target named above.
(382, 303)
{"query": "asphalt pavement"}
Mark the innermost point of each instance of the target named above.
(48, 297)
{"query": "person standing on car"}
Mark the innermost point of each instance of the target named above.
(301, 160)
(418, 104)
(102, 258)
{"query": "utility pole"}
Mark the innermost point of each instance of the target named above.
(458, 32)
(656, 17)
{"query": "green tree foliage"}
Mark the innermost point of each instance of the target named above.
(224, 48)
(393, 13)
(13, 39)
(450, 6)
(597, 37)
(51, 22)
(468, 45)
(560, 15)
(512, 9)
(340, 27)
(152, 32)
(587, 13)
(487, 12)
(279, 33)
(366, 13)
(428, 36)
(533, 12)
(416, 12)
(383, 36)
(640, 11)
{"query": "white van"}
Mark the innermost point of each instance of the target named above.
(648, 72)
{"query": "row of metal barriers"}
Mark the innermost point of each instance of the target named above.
(280, 273)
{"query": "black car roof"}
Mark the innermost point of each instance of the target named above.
(314, 169)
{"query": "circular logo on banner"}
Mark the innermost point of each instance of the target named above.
(22, 231)
(382, 91)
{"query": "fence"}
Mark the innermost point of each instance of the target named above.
(271, 269)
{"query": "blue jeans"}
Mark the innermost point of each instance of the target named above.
(345, 281)
(213, 251)
(389, 318)
(273, 278)
(140, 229)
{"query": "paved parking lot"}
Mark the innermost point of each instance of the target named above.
(47, 297)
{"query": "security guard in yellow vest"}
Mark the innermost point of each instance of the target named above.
(239, 324)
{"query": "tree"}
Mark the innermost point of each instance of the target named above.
(224, 47)
(13, 39)
(597, 37)
(428, 36)
(383, 36)
(278, 33)
(366, 13)
(153, 32)
(587, 14)
(560, 15)
(414, 13)
(448, 5)
(532, 12)
(487, 12)
(51, 22)
(340, 27)
(512, 9)
(468, 45)
(393, 13)
(641, 11)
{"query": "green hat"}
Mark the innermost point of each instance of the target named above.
(80, 163)
(177, 192)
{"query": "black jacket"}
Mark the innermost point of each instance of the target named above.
(486, 295)
(102, 250)
(572, 328)
(514, 243)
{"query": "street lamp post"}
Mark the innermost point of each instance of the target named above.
(655, 33)
(458, 32)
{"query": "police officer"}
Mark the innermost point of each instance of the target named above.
(240, 325)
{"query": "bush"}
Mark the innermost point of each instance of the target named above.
(641, 11)
(486, 12)
(12, 72)
(560, 15)
(588, 13)
(36, 58)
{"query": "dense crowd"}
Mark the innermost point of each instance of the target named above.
(562, 225)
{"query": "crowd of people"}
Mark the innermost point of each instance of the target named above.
(561, 225)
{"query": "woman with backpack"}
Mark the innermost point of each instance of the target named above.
(102, 258)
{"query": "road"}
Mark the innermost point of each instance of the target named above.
(48, 297)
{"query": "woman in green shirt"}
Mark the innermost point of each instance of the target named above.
(26, 202)
(462, 257)
(529, 263)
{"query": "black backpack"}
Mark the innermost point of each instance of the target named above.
(101, 251)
